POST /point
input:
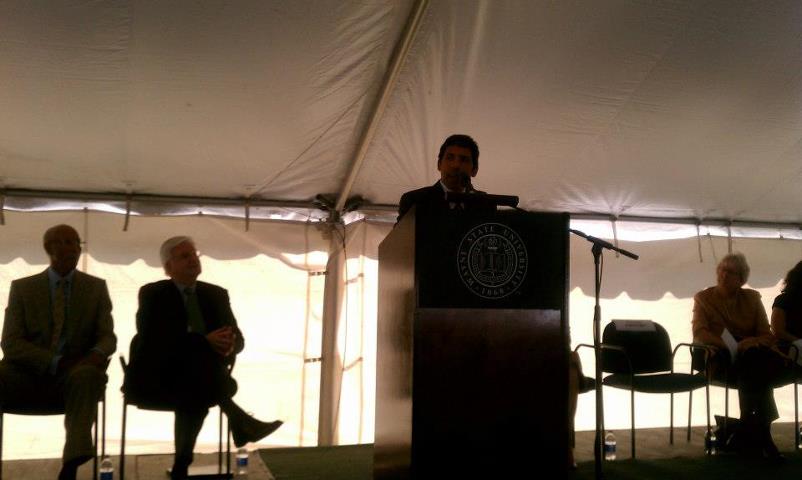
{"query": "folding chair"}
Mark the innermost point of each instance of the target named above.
(638, 356)
(699, 364)
(51, 407)
(142, 406)
(797, 377)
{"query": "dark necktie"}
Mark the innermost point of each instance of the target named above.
(59, 312)
(194, 316)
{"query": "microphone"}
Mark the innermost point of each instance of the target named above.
(465, 181)
(473, 195)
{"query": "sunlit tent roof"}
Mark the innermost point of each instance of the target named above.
(658, 109)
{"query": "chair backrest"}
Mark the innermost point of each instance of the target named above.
(646, 343)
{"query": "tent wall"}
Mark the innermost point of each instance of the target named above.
(659, 286)
(275, 299)
(277, 293)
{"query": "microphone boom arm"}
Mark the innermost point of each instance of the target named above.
(603, 244)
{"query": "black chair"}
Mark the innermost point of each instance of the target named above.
(638, 357)
(154, 407)
(54, 407)
(794, 353)
(699, 362)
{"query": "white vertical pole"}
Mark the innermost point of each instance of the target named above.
(331, 362)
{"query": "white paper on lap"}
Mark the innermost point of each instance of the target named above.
(798, 345)
(731, 343)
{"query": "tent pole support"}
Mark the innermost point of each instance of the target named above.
(388, 84)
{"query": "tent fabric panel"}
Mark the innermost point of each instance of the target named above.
(210, 98)
(280, 306)
(673, 109)
(660, 109)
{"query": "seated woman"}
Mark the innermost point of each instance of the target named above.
(786, 314)
(733, 321)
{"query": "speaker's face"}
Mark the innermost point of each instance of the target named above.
(455, 167)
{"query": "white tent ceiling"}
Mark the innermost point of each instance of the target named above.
(651, 108)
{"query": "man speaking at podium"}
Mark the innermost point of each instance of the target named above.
(457, 162)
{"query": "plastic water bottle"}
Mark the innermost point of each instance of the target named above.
(106, 469)
(711, 443)
(609, 446)
(242, 463)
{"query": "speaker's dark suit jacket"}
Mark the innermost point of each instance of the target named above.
(433, 200)
(168, 363)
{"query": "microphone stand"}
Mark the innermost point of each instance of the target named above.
(596, 250)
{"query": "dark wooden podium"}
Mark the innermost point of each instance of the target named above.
(472, 352)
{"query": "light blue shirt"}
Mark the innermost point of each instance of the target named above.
(53, 278)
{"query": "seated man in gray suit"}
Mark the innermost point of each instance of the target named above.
(186, 338)
(57, 336)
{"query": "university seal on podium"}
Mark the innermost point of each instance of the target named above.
(492, 260)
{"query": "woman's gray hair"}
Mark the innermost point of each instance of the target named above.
(165, 252)
(738, 262)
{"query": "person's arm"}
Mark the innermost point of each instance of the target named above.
(105, 339)
(152, 332)
(404, 205)
(227, 340)
(778, 325)
(763, 336)
(145, 311)
(15, 343)
(701, 326)
(239, 339)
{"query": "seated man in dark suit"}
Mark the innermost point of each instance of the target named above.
(457, 162)
(186, 338)
(57, 336)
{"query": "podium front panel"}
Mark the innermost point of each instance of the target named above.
(510, 259)
(490, 392)
(472, 350)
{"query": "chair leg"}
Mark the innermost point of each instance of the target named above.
(220, 443)
(1, 445)
(94, 460)
(632, 420)
(103, 432)
(122, 442)
(707, 396)
(690, 399)
(671, 421)
(228, 448)
(796, 416)
(690, 412)
(726, 406)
